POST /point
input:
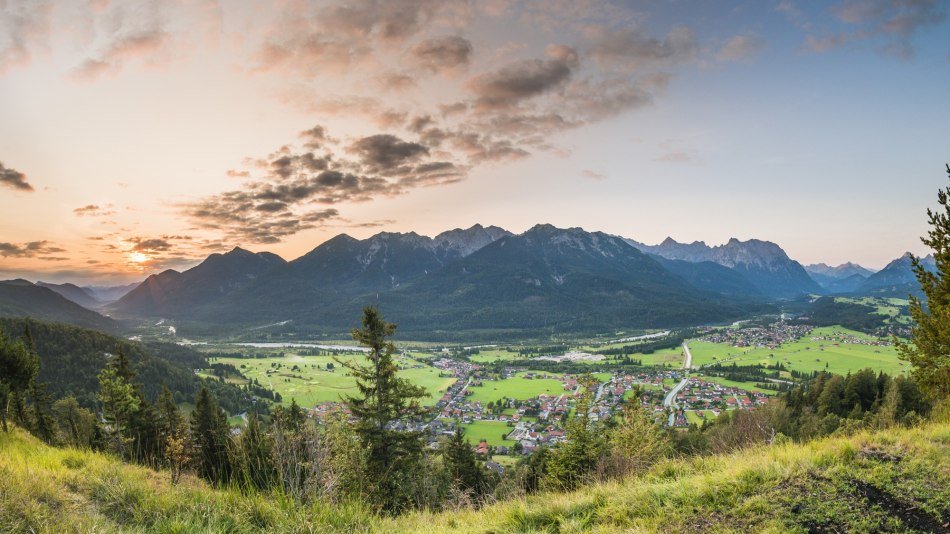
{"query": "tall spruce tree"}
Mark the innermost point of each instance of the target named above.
(119, 405)
(140, 431)
(929, 349)
(462, 466)
(572, 463)
(384, 402)
(211, 436)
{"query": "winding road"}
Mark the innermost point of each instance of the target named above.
(670, 400)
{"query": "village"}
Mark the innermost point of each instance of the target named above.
(772, 336)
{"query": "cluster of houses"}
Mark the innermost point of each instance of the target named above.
(701, 396)
(771, 336)
(840, 338)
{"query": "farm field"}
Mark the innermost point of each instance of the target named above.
(307, 379)
(661, 358)
(494, 355)
(490, 431)
(748, 386)
(807, 354)
(516, 387)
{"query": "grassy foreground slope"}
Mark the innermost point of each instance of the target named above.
(893, 480)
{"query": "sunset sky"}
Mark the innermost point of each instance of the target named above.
(140, 136)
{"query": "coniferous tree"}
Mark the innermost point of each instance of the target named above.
(18, 369)
(119, 405)
(142, 428)
(462, 465)
(170, 420)
(76, 426)
(573, 462)
(211, 436)
(385, 400)
(929, 349)
(41, 419)
(255, 449)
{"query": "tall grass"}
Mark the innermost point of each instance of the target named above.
(889, 479)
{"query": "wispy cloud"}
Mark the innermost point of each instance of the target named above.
(24, 29)
(442, 54)
(32, 249)
(741, 48)
(94, 210)
(14, 179)
(891, 23)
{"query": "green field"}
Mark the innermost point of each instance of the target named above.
(311, 383)
(692, 416)
(748, 386)
(494, 355)
(889, 307)
(490, 431)
(806, 354)
(516, 387)
(665, 357)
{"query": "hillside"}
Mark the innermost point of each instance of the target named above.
(74, 293)
(220, 274)
(71, 359)
(894, 480)
(897, 278)
(20, 298)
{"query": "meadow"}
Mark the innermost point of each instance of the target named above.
(807, 354)
(518, 387)
(491, 431)
(307, 379)
(748, 386)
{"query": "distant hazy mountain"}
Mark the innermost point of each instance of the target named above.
(74, 293)
(108, 294)
(170, 292)
(896, 278)
(844, 278)
(838, 272)
(764, 264)
(850, 284)
(20, 298)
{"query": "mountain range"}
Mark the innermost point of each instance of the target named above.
(844, 278)
(21, 298)
(479, 278)
(476, 278)
(897, 278)
(762, 263)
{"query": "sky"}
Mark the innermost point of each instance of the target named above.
(138, 136)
